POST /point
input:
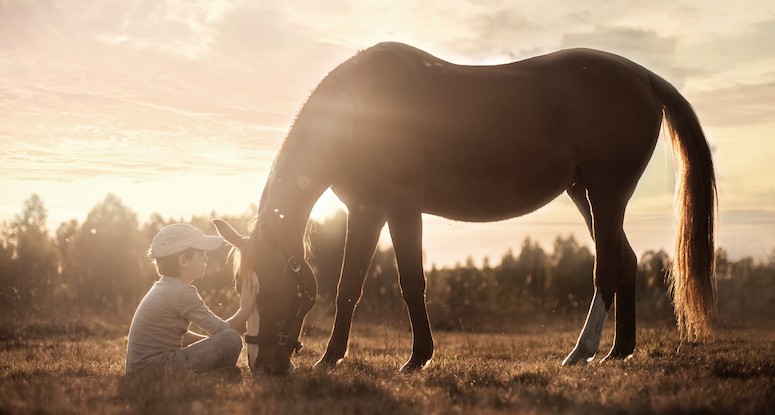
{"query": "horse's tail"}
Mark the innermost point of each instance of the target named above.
(692, 278)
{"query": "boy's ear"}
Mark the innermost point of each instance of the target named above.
(229, 234)
(182, 261)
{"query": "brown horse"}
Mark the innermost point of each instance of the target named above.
(397, 132)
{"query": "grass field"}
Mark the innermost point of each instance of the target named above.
(78, 369)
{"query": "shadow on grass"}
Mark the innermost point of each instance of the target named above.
(730, 369)
(161, 391)
(313, 391)
(338, 390)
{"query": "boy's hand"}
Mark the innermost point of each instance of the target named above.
(247, 302)
(247, 299)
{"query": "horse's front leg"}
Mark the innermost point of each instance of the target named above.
(363, 229)
(406, 232)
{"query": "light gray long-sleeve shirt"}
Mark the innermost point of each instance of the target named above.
(161, 319)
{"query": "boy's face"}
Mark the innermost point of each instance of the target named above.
(194, 267)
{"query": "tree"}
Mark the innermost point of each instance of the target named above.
(571, 283)
(108, 253)
(468, 292)
(651, 283)
(32, 269)
(381, 290)
(381, 293)
(65, 238)
(326, 240)
(521, 280)
(8, 290)
(507, 277)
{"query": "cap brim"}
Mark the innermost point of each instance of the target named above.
(208, 243)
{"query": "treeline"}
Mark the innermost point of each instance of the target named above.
(535, 284)
(100, 266)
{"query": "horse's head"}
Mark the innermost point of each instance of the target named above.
(286, 293)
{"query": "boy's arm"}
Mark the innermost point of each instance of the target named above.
(247, 302)
(190, 337)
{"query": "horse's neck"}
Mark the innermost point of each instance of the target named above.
(290, 194)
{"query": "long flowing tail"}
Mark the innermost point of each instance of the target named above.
(692, 278)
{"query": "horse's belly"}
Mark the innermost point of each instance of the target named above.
(492, 198)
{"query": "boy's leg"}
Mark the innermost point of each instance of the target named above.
(219, 350)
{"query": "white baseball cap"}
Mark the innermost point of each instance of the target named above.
(178, 237)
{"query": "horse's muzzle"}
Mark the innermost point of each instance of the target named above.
(278, 371)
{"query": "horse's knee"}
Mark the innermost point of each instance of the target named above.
(413, 293)
(414, 282)
(349, 292)
(347, 301)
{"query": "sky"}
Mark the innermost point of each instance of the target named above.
(178, 106)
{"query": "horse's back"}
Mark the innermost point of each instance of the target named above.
(548, 96)
(510, 137)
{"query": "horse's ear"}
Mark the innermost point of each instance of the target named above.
(229, 234)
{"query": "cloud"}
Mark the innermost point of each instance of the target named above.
(61, 135)
(104, 90)
(748, 217)
(72, 160)
(738, 105)
(127, 87)
(734, 78)
(26, 23)
(751, 43)
(643, 46)
(506, 33)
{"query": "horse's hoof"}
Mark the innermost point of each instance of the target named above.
(413, 366)
(275, 373)
(326, 363)
(616, 355)
(410, 367)
(323, 365)
(577, 357)
(289, 371)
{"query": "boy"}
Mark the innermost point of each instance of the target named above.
(159, 335)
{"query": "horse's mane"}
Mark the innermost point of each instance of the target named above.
(345, 89)
(241, 257)
(325, 121)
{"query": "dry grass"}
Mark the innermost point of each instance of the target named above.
(80, 371)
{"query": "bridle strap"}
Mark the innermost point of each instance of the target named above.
(280, 341)
(303, 303)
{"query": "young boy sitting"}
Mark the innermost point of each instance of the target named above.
(159, 335)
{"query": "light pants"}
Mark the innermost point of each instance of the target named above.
(219, 350)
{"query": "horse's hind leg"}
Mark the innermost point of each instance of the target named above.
(578, 193)
(363, 229)
(624, 308)
(614, 263)
(624, 299)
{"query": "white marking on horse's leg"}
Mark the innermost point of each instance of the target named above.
(252, 330)
(589, 339)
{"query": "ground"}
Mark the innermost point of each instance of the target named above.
(77, 369)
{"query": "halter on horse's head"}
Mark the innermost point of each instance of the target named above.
(287, 292)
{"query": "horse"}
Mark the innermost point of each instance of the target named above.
(396, 132)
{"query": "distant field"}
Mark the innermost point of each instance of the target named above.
(75, 370)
